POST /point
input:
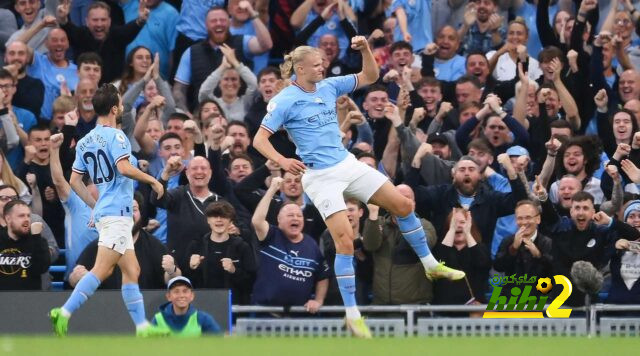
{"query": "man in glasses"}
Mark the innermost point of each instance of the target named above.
(528, 251)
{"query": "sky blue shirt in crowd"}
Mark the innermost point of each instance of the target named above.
(450, 70)
(97, 154)
(159, 34)
(331, 26)
(192, 17)
(311, 120)
(506, 225)
(26, 120)
(260, 61)
(77, 233)
(51, 76)
(183, 73)
(418, 22)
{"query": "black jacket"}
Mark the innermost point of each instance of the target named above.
(185, 219)
(523, 262)
(434, 203)
(111, 50)
(23, 261)
(212, 275)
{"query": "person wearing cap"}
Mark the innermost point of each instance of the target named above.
(178, 317)
(625, 264)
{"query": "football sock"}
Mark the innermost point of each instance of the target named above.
(345, 275)
(412, 231)
(135, 304)
(83, 290)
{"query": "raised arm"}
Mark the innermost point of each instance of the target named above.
(262, 41)
(259, 218)
(78, 186)
(47, 21)
(63, 189)
(212, 81)
(370, 71)
(300, 14)
(520, 107)
(147, 144)
(568, 103)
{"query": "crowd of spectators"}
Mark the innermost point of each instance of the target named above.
(513, 125)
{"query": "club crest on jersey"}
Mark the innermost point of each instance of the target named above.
(271, 106)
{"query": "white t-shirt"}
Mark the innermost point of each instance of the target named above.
(506, 68)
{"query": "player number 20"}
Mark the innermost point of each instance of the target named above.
(99, 163)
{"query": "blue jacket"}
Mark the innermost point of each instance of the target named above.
(178, 322)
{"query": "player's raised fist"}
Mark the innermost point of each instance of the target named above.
(36, 228)
(359, 43)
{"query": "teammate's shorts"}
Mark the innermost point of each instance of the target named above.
(115, 233)
(350, 178)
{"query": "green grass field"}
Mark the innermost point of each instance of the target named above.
(236, 346)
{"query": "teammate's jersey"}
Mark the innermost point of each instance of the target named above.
(97, 154)
(311, 119)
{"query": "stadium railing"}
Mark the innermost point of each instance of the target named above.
(432, 320)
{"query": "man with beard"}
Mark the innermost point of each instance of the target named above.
(249, 193)
(100, 37)
(580, 158)
(486, 205)
(482, 29)
(202, 58)
(241, 144)
(157, 266)
(25, 254)
(185, 204)
(585, 236)
(87, 116)
(304, 280)
(29, 90)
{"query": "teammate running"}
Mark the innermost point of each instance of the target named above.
(104, 154)
(307, 110)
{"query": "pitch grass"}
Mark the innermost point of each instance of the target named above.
(237, 346)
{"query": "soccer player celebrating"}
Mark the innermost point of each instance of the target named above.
(104, 154)
(307, 110)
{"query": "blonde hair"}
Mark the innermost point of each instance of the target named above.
(7, 176)
(294, 57)
(520, 21)
(63, 104)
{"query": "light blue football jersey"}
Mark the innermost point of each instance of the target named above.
(97, 154)
(311, 119)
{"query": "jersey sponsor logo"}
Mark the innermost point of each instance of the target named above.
(271, 106)
(294, 271)
(325, 117)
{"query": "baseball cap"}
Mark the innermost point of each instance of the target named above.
(179, 280)
(517, 151)
(438, 137)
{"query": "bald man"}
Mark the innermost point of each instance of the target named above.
(629, 85)
(53, 68)
(185, 205)
(30, 91)
(84, 95)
